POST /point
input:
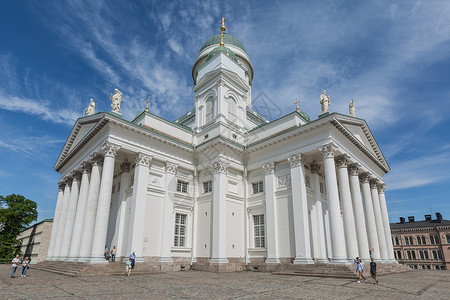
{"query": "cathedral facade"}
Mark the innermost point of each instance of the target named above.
(221, 187)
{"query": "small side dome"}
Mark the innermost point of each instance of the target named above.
(305, 116)
(227, 51)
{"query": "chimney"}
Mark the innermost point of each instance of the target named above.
(402, 220)
(427, 217)
(438, 217)
(411, 219)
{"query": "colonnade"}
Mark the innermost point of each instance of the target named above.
(352, 229)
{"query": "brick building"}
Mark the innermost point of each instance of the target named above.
(422, 244)
(35, 240)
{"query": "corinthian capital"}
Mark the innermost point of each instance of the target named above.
(86, 167)
(61, 185)
(381, 188)
(269, 168)
(76, 175)
(328, 150)
(97, 159)
(353, 169)
(171, 167)
(143, 160)
(364, 177)
(315, 168)
(342, 161)
(296, 160)
(374, 183)
(110, 149)
(219, 167)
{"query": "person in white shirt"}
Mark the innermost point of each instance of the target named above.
(15, 262)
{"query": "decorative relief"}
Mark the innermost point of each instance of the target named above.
(373, 183)
(328, 150)
(307, 181)
(171, 167)
(353, 169)
(156, 180)
(296, 160)
(269, 168)
(97, 159)
(110, 149)
(342, 161)
(125, 166)
(381, 188)
(284, 181)
(219, 167)
(143, 160)
(315, 168)
(364, 177)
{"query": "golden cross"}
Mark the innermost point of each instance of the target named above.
(146, 108)
(222, 28)
(297, 102)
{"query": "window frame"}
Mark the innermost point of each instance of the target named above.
(259, 240)
(207, 187)
(259, 185)
(182, 186)
(179, 239)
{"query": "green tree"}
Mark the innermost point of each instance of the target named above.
(16, 213)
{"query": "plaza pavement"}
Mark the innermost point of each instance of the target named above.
(202, 285)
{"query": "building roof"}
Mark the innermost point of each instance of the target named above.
(227, 40)
(227, 51)
(419, 224)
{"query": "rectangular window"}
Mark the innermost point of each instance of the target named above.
(258, 187)
(180, 230)
(207, 187)
(182, 186)
(258, 223)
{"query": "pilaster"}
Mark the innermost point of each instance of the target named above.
(271, 213)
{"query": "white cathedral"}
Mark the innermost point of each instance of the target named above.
(221, 188)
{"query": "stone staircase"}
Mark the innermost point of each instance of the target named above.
(84, 269)
(339, 271)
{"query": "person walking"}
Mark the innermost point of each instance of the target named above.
(106, 252)
(373, 271)
(113, 254)
(15, 262)
(133, 259)
(25, 266)
(360, 270)
(128, 267)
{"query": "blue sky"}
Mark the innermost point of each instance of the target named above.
(392, 57)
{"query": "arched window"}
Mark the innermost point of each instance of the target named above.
(448, 238)
(397, 241)
(209, 110)
(426, 254)
(399, 255)
(413, 254)
(424, 242)
(419, 241)
(406, 240)
(411, 240)
(431, 240)
(232, 110)
(435, 256)
(409, 254)
(421, 254)
(440, 254)
(436, 240)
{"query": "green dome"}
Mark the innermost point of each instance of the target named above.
(227, 51)
(305, 116)
(227, 40)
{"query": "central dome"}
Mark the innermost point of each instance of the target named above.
(227, 40)
(225, 50)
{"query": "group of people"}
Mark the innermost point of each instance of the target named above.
(360, 268)
(112, 252)
(15, 264)
(130, 262)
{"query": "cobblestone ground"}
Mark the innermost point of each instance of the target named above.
(202, 285)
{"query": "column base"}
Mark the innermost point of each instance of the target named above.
(165, 260)
(218, 260)
(272, 260)
(323, 261)
(303, 261)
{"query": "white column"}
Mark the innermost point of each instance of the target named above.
(104, 203)
(195, 217)
(62, 219)
(51, 246)
(219, 228)
(122, 238)
(71, 211)
(271, 214)
(386, 226)
(378, 220)
(347, 209)
(370, 216)
(319, 241)
(91, 207)
(75, 243)
(138, 203)
(168, 214)
(358, 213)
(336, 226)
(300, 211)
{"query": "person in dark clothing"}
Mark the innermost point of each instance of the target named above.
(373, 270)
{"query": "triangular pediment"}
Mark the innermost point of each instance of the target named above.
(82, 127)
(358, 131)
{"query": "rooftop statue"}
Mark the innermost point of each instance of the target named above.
(116, 99)
(324, 101)
(352, 109)
(90, 110)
